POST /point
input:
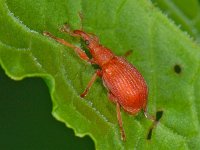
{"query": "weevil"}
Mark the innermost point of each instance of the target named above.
(126, 86)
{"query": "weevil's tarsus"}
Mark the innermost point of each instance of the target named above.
(148, 116)
(78, 50)
(94, 77)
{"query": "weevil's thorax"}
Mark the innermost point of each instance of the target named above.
(101, 55)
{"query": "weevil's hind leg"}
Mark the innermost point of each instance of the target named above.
(147, 115)
(78, 50)
(94, 77)
(119, 118)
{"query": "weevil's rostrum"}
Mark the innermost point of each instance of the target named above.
(126, 86)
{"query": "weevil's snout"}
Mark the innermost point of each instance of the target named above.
(90, 39)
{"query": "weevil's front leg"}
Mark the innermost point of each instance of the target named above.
(119, 118)
(78, 50)
(94, 77)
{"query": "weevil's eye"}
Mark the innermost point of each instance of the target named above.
(87, 42)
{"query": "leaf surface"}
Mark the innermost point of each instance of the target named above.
(158, 46)
(187, 18)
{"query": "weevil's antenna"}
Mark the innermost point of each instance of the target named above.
(66, 29)
(81, 19)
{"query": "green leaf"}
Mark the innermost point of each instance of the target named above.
(188, 18)
(158, 46)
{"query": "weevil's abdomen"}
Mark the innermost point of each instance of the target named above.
(126, 84)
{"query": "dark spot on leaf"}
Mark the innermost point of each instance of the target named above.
(159, 115)
(177, 69)
(149, 133)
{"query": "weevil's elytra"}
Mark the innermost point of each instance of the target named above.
(126, 86)
(121, 81)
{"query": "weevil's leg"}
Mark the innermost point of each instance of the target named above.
(94, 77)
(119, 118)
(92, 61)
(66, 29)
(128, 53)
(147, 115)
(78, 50)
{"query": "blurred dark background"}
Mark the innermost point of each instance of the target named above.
(26, 122)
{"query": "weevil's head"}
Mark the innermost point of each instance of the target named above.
(91, 40)
(100, 54)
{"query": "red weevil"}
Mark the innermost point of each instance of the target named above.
(126, 86)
